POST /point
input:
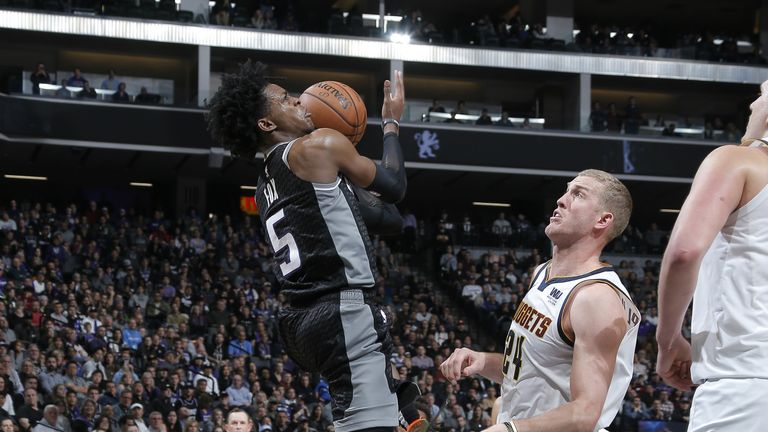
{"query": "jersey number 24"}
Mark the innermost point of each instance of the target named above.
(513, 344)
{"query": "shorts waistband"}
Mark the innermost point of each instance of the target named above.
(346, 296)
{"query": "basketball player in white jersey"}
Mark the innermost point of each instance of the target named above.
(718, 256)
(568, 357)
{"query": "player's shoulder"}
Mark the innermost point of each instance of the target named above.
(597, 307)
(597, 295)
(734, 159)
(729, 153)
(323, 139)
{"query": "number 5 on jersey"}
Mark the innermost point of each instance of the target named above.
(279, 243)
(515, 344)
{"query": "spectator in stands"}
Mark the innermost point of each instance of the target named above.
(502, 228)
(461, 107)
(74, 382)
(289, 22)
(137, 415)
(111, 82)
(258, 21)
(239, 395)
(6, 223)
(486, 32)
(526, 123)
(484, 119)
(144, 97)
(63, 92)
(632, 117)
(598, 121)
(31, 411)
(504, 120)
(39, 76)
(613, 121)
(7, 424)
(452, 118)
(669, 130)
(121, 95)
(709, 131)
(222, 12)
(683, 411)
(49, 423)
(435, 107)
(76, 80)
(240, 346)
(732, 134)
(632, 412)
(87, 92)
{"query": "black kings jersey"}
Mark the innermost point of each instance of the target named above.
(318, 237)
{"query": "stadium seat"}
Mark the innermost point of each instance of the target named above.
(165, 15)
(184, 16)
(51, 5)
(336, 24)
(21, 4)
(240, 21)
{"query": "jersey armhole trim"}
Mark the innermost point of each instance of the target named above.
(327, 186)
(285, 153)
(569, 298)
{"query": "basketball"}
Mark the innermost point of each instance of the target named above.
(336, 106)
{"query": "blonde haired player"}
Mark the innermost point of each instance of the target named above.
(718, 256)
(568, 357)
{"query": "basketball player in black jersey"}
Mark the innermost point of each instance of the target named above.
(314, 204)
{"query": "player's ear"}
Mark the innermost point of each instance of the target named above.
(266, 125)
(605, 221)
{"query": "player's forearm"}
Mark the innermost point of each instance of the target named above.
(677, 283)
(572, 416)
(389, 180)
(492, 368)
(379, 217)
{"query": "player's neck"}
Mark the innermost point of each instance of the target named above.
(573, 260)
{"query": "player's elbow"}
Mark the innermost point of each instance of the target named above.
(688, 253)
(585, 416)
(400, 194)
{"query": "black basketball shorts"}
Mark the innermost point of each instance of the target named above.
(346, 339)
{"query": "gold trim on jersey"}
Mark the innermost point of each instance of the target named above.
(633, 315)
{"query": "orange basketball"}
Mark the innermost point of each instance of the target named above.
(336, 106)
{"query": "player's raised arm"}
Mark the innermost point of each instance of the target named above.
(387, 178)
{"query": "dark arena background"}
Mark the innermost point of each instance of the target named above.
(131, 252)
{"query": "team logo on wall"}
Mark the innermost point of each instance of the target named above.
(428, 143)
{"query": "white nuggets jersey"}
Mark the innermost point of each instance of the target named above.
(538, 357)
(729, 331)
